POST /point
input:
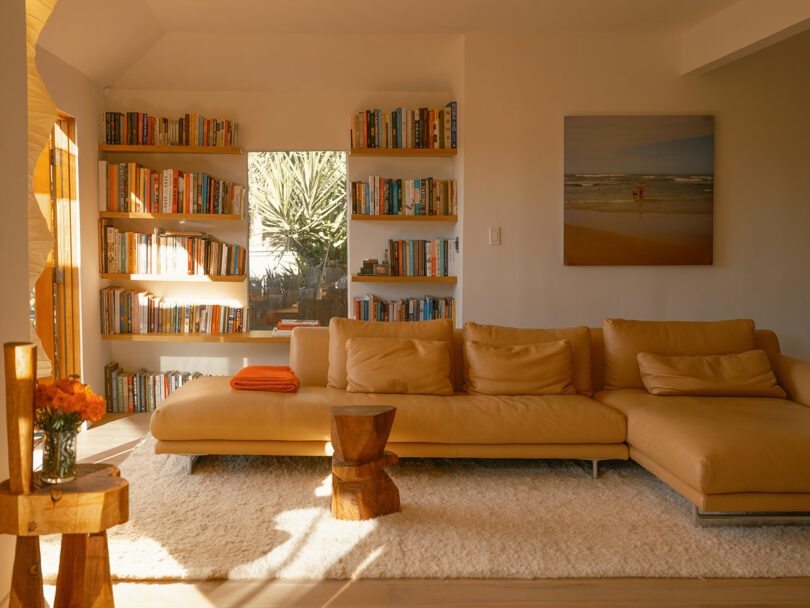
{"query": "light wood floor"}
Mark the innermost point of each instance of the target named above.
(113, 439)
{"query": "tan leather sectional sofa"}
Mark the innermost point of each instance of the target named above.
(724, 454)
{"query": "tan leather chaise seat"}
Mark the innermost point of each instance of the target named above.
(721, 453)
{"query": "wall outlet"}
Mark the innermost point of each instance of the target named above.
(494, 235)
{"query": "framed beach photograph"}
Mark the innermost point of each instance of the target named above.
(638, 190)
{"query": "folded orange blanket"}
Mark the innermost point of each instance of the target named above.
(276, 378)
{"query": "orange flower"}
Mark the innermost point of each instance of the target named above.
(70, 396)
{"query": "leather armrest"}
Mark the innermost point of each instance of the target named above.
(309, 355)
(794, 377)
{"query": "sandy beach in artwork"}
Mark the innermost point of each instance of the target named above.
(610, 222)
(590, 247)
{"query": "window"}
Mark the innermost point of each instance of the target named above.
(297, 206)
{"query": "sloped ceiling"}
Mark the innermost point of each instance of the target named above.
(103, 38)
(100, 38)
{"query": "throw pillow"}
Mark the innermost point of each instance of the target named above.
(747, 374)
(398, 365)
(544, 368)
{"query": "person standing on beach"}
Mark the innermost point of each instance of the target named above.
(635, 194)
(640, 191)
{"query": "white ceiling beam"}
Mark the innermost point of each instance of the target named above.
(741, 29)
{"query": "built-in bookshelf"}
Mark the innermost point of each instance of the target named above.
(390, 202)
(417, 152)
(170, 278)
(138, 149)
(162, 202)
(135, 215)
(361, 278)
(254, 335)
(362, 217)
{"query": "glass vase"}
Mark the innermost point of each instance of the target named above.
(59, 456)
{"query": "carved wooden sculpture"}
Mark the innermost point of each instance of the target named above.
(361, 489)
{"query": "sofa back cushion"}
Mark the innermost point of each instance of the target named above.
(340, 330)
(544, 368)
(747, 374)
(398, 365)
(578, 337)
(624, 339)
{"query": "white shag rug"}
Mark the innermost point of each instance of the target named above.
(264, 517)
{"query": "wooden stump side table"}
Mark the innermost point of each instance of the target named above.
(80, 510)
(361, 489)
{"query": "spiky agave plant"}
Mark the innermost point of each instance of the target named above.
(299, 199)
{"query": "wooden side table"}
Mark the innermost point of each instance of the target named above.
(81, 510)
(361, 489)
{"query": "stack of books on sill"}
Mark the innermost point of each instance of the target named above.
(170, 253)
(402, 128)
(129, 311)
(131, 187)
(422, 258)
(421, 196)
(373, 308)
(141, 129)
(140, 391)
(285, 327)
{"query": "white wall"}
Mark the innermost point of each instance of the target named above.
(14, 227)
(519, 88)
(78, 96)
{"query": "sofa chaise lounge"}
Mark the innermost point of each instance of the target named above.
(724, 454)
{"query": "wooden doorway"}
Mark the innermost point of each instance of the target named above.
(56, 293)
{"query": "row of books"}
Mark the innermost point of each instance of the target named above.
(170, 253)
(421, 196)
(373, 308)
(141, 129)
(130, 311)
(131, 187)
(140, 391)
(285, 327)
(423, 258)
(403, 128)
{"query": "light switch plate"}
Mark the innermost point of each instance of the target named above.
(494, 235)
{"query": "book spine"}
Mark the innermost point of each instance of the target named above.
(453, 123)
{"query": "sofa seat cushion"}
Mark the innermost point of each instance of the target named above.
(720, 445)
(208, 408)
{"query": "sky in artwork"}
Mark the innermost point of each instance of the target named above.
(639, 144)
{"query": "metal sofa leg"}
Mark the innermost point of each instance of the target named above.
(190, 460)
(702, 519)
(594, 466)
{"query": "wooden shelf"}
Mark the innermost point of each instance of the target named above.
(172, 149)
(433, 152)
(181, 278)
(207, 217)
(258, 336)
(363, 217)
(384, 279)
